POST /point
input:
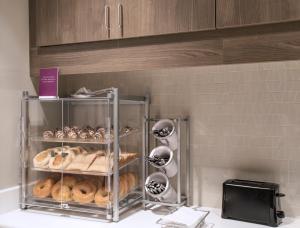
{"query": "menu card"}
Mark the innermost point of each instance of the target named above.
(48, 83)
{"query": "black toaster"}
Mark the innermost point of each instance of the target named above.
(252, 201)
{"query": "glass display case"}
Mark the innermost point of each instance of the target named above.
(82, 156)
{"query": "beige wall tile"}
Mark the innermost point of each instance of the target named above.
(245, 121)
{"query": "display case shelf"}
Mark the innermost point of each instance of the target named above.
(81, 211)
(124, 201)
(78, 140)
(92, 173)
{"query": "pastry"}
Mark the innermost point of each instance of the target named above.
(84, 192)
(42, 188)
(101, 130)
(42, 159)
(82, 161)
(91, 131)
(75, 128)
(48, 134)
(59, 134)
(127, 157)
(72, 134)
(77, 150)
(67, 129)
(108, 136)
(98, 135)
(126, 130)
(61, 159)
(61, 192)
(105, 163)
(83, 134)
(102, 163)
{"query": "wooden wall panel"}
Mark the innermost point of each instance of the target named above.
(130, 58)
(235, 13)
(268, 47)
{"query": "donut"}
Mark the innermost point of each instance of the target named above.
(84, 192)
(42, 159)
(61, 192)
(42, 188)
(101, 197)
(61, 159)
(132, 181)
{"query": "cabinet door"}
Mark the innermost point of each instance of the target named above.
(203, 15)
(155, 17)
(47, 29)
(71, 21)
(234, 13)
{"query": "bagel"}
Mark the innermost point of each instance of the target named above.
(42, 189)
(101, 197)
(61, 192)
(42, 159)
(132, 181)
(123, 186)
(70, 181)
(84, 192)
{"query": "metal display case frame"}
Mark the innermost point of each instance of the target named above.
(111, 95)
(183, 137)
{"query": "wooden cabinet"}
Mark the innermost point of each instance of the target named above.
(46, 28)
(156, 17)
(84, 20)
(74, 21)
(203, 15)
(235, 13)
(71, 21)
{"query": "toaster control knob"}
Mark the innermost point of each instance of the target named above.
(280, 195)
(280, 214)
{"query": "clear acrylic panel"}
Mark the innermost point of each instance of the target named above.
(70, 155)
(41, 116)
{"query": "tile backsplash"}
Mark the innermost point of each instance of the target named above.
(245, 120)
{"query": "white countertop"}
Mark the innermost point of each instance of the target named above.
(144, 219)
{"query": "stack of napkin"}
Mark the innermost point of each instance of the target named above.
(184, 217)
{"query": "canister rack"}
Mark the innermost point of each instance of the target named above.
(180, 183)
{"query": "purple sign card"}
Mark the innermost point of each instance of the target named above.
(48, 83)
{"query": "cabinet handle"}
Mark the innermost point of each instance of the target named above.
(120, 18)
(107, 22)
